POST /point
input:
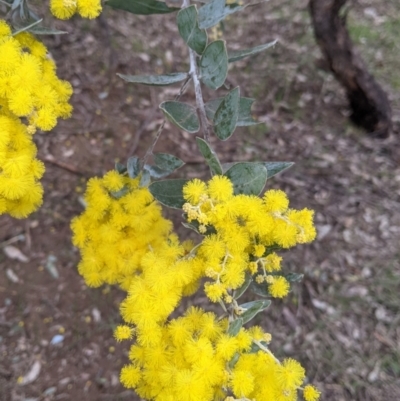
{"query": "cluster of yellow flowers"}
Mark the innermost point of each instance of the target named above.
(124, 239)
(193, 358)
(120, 224)
(31, 97)
(245, 229)
(29, 86)
(65, 9)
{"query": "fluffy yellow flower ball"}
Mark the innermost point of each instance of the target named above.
(311, 393)
(65, 9)
(20, 191)
(119, 226)
(279, 287)
(29, 86)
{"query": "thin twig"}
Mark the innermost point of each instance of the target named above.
(156, 138)
(139, 133)
(71, 169)
(5, 3)
(197, 88)
(10, 241)
(199, 96)
(160, 129)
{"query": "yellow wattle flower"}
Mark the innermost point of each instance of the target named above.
(311, 393)
(89, 8)
(63, 9)
(125, 240)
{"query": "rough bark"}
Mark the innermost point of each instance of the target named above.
(369, 103)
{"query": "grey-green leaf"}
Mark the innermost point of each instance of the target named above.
(165, 164)
(209, 155)
(226, 116)
(156, 172)
(120, 168)
(134, 166)
(155, 80)
(252, 308)
(168, 162)
(260, 289)
(241, 290)
(119, 194)
(255, 348)
(144, 179)
(141, 7)
(234, 360)
(244, 117)
(24, 19)
(42, 30)
(181, 114)
(274, 168)
(294, 277)
(247, 178)
(236, 55)
(235, 326)
(189, 30)
(169, 192)
(214, 64)
(215, 11)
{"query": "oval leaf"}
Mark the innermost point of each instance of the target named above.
(134, 166)
(141, 7)
(119, 194)
(169, 192)
(252, 308)
(209, 155)
(226, 116)
(215, 11)
(144, 179)
(167, 162)
(156, 172)
(120, 168)
(214, 64)
(241, 290)
(260, 289)
(247, 178)
(155, 80)
(244, 117)
(235, 326)
(189, 30)
(240, 54)
(165, 165)
(294, 277)
(182, 115)
(274, 168)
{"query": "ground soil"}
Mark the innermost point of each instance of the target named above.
(341, 322)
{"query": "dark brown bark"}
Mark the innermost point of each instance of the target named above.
(369, 103)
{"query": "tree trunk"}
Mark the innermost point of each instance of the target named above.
(369, 103)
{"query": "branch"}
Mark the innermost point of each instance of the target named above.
(160, 130)
(370, 104)
(197, 88)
